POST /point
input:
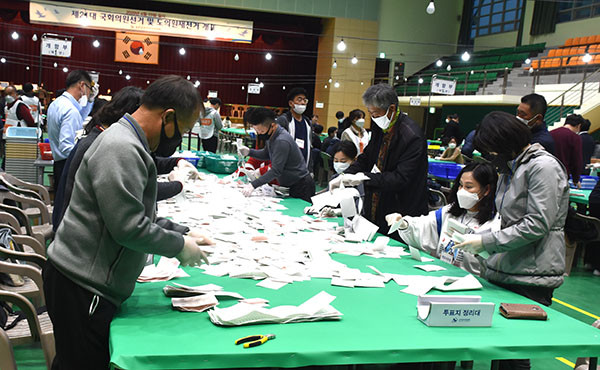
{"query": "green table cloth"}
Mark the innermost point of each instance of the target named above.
(236, 131)
(580, 196)
(379, 325)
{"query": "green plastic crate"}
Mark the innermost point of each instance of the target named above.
(218, 164)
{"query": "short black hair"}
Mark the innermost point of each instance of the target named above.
(339, 114)
(173, 92)
(261, 116)
(502, 133)
(77, 75)
(485, 174)
(537, 103)
(28, 87)
(126, 100)
(318, 129)
(574, 120)
(331, 130)
(453, 116)
(585, 126)
(295, 92)
(347, 147)
(215, 101)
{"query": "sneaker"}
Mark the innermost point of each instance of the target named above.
(596, 272)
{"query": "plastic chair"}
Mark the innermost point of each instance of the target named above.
(43, 233)
(552, 53)
(33, 286)
(569, 42)
(40, 213)
(41, 190)
(35, 328)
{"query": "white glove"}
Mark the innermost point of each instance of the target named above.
(392, 218)
(247, 190)
(178, 175)
(330, 212)
(94, 92)
(353, 179)
(472, 243)
(191, 254)
(335, 183)
(243, 150)
(188, 168)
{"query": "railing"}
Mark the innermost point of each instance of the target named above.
(577, 94)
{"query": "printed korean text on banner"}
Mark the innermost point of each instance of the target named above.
(136, 48)
(445, 87)
(158, 23)
(56, 46)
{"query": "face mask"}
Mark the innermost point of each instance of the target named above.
(451, 145)
(526, 122)
(466, 199)
(9, 99)
(340, 120)
(299, 108)
(83, 100)
(383, 122)
(168, 145)
(360, 122)
(266, 136)
(340, 167)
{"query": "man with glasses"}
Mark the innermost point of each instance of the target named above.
(531, 112)
(296, 123)
(66, 115)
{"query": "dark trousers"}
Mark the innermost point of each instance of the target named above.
(541, 295)
(304, 189)
(210, 144)
(58, 170)
(80, 332)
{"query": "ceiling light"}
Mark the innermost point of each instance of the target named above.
(330, 80)
(236, 57)
(449, 68)
(181, 51)
(96, 43)
(382, 55)
(334, 63)
(2, 60)
(147, 82)
(243, 87)
(14, 35)
(587, 58)
(527, 61)
(325, 85)
(439, 63)
(196, 84)
(27, 68)
(354, 60)
(55, 64)
(128, 77)
(336, 84)
(283, 87)
(34, 37)
(361, 83)
(256, 80)
(465, 56)
(261, 85)
(120, 71)
(420, 80)
(188, 77)
(65, 69)
(430, 8)
(397, 78)
(341, 46)
(268, 56)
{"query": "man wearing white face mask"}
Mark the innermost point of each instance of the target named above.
(395, 161)
(471, 204)
(356, 133)
(17, 112)
(296, 123)
(531, 112)
(66, 115)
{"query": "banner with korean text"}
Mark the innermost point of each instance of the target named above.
(157, 23)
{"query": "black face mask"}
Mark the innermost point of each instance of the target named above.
(168, 145)
(265, 137)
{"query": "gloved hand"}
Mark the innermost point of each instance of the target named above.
(191, 254)
(188, 168)
(94, 92)
(330, 212)
(393, 218)
(247, 190)
(472, 243)
(178, 175)
(336, 183)
(243, 150)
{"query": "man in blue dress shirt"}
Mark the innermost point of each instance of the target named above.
(66, 115)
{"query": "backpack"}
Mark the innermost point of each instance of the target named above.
(7, 242)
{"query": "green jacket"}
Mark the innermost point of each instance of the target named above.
(109, 226)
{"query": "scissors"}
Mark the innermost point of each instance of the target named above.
(254, 340)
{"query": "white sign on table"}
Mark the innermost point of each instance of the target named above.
(440, 86)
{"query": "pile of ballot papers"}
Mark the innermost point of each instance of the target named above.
(315, 309)
(166, 269)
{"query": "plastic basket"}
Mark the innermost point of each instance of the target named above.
(437, 169)
(452, 170)
(587, 182)
(15, 132)
(45, 152)
(218, 164)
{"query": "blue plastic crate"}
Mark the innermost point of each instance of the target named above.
(15, 132)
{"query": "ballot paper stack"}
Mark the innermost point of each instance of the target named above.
(166, 269)
(315, 309)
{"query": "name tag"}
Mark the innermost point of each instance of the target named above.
(206, 121)
(375, 169)
(300, 143)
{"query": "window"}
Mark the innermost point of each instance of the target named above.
(578, 9)
(496, 16)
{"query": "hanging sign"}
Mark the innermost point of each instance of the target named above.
(118, 19)
(56, 46)
(253, 88)
(213, 93)
(136, 48)
(445, 87)
(415, 101)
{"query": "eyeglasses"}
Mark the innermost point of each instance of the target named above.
(301, 100)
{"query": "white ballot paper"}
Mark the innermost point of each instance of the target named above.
(416, 255)
(362, 229)
(166, 269)
(314, 309)
(443, 310)
(430, 268)
(468, 282)
(195, 304)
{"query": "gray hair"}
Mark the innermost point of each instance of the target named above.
(381, 96)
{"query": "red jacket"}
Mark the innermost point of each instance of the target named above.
(567, 148)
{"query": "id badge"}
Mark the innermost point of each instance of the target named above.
(375, 169)
(300, 143)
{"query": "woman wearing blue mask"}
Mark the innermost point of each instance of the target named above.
(471, 205)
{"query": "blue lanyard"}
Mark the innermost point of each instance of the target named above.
(136, 132)
(512, 171)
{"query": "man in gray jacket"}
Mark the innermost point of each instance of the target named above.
(287, 163)
(101, 245)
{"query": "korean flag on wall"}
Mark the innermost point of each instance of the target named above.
(136, 48)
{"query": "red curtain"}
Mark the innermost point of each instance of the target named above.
(210, 62)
